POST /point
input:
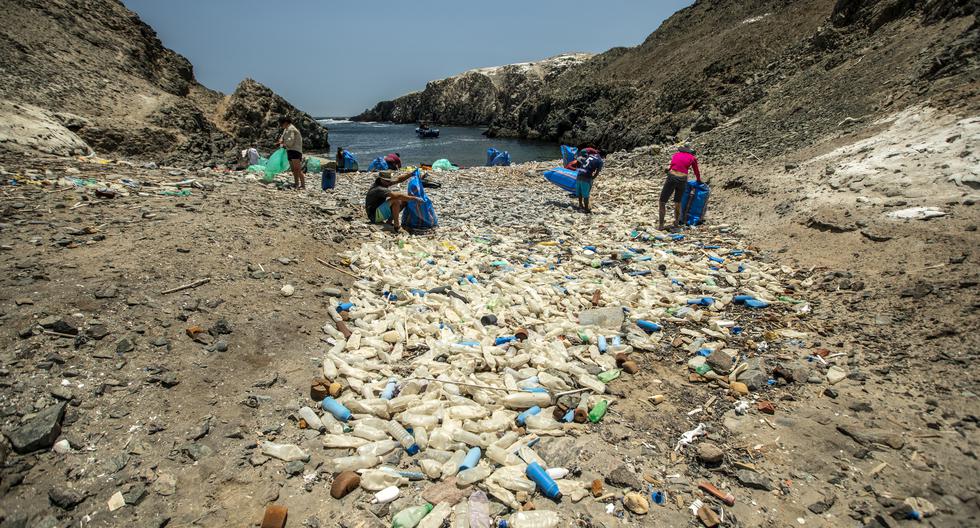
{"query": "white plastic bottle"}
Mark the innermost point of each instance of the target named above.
(378, 479)
(342, 441)
(473, 474)
(526, 400)
(312, 420)
(284, 452)
(534, 519)
(353, 463)
(369, 433)
(386, 495)
(380, 448)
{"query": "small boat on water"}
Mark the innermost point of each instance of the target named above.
(427, 132)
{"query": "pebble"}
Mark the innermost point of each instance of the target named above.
(287, 290)
(710, 454)
(751, 479)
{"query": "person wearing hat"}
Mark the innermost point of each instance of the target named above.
(681, 163)
(383, 205)
(292, 141)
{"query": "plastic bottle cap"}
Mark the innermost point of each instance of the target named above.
(412, 450)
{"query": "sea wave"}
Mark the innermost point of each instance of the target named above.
(331, 121)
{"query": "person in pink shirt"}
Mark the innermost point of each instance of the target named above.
(681, 164)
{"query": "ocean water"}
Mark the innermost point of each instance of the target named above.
(463, 146)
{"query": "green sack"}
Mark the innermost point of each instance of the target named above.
(313, 165)
(256, 168)
(262, 161)
(444, 165)
(277, 163)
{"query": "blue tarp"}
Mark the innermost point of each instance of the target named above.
(350, 163)
(419, 215)
(491, 154)
(694, 203)
(502, 159)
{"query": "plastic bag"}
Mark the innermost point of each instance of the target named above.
(378, 164)
(277, 163)
(312, 165)
(694, 203)
(444, 165)
(568, 154)
(502, 159)
(256, 168)
(491, 154)
(419, 215)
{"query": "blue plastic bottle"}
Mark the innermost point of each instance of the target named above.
(740, 299)
(344, 306)
(648, 326)
(617, 341)
(701, 301)
(602, 344)
(545, 483)
(472, 459)
(569, 416)
(521, 418)
(503, 340)
(336, 408)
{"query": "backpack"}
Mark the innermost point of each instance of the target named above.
(379, 164)
(419, 215)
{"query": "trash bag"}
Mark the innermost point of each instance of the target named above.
(694, 202)
(443, 165)
(562, 177)
(255, 168)
(262, 162)
(350, 163)
(312, 165)
(419, 215)
(277, 163)
(502, 159)
(568, 154)
(379, 164)
(491, 154)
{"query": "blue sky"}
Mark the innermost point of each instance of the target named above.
(338, 58)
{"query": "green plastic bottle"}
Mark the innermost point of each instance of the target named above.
(410, 517)
(598, 411)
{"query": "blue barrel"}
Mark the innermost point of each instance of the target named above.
(328, 179)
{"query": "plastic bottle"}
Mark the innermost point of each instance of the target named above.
(461, 515)
(528, 456)
(437, 516)
(648, 326)
(372, 434)
(521, 418)
(380, 448)
(479, 510)
(336, 409)
(468, 438)
(598, 411)
(473, 475)
(398, 432)
(534, 519)
(471, 459)
(284, 452)
(311, 419)
(386, 495)
(342, 441)
(352, 463)
(410, 517)
(549, 488)
(557, 472)
(603, 345)
(451, 466)
(379, 479)
(431, 468)
(526, 400)
(389, 390)
(515, 484)
(502, 456)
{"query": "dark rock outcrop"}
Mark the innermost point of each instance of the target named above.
(757, 77)
(252, 114)
(91, 70)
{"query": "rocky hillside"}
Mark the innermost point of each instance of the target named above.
(82, 75)
(475, 97)
(763, 75)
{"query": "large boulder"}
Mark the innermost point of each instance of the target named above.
(252, 115)
(38, 432)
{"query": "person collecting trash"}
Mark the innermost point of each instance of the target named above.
(680, 164)
(383, 205)
(394, 161)
(589, 168)
(292, 141)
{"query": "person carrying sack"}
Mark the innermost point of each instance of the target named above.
(676, 184)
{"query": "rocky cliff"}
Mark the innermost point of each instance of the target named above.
(82, 75)
(475, 97)
(744, 76)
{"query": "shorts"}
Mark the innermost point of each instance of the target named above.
(583, 188)
(294, 154)
(383, 213)
(674, 185)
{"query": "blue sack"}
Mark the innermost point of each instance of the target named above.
(568, 154)
(379, 164)
(562, 177)
(350, 163)
(491, 154)
(502, 159)
(419, 215)
(694, 203)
